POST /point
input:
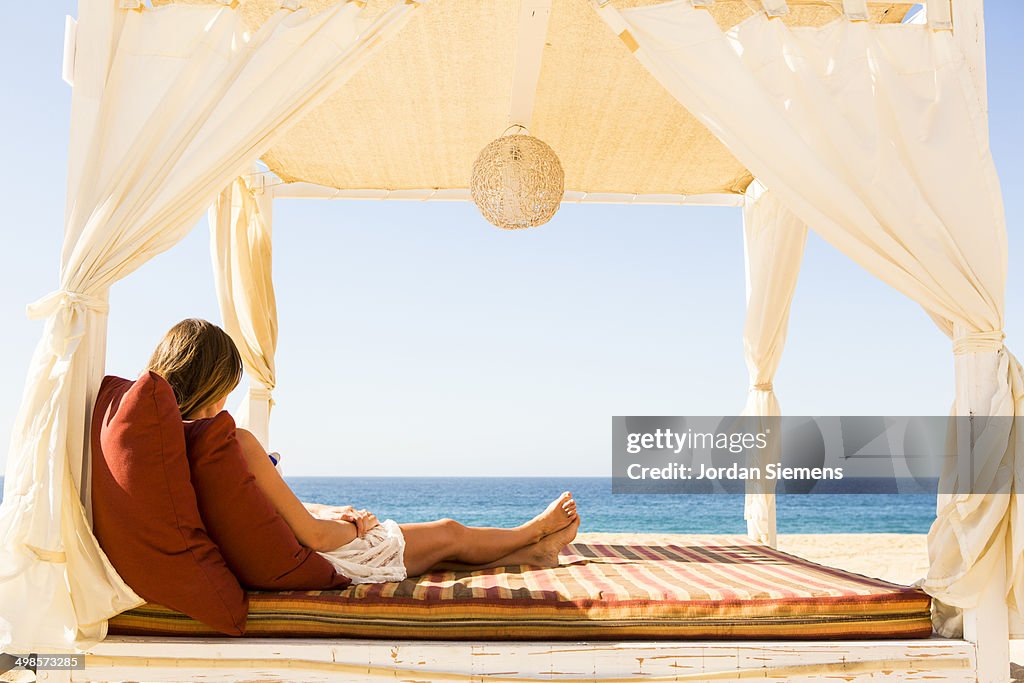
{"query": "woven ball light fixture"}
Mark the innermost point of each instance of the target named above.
(517, 182)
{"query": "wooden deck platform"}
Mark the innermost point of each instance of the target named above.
(124, 658)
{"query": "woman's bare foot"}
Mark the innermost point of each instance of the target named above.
(557, 515)
(544, 552)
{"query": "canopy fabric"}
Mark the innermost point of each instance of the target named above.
(174, 104)
(876, 137)
(418, 115)
(241, 247)
(773, 249)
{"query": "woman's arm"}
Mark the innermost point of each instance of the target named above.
(321, 511)
(318, 534)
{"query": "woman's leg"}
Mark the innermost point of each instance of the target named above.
(430, 543)
(543, 553)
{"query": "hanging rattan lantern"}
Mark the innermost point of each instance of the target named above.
(517, 182)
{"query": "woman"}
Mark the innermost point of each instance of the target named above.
(202, 365)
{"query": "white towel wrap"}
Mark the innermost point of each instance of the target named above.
(377, 557)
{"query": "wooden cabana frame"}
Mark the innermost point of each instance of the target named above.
(359, 661)
(981, 655)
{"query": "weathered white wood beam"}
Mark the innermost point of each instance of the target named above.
(312, 191)
(939, 17)
(969, 32)
(533, 32)
(576, 197)
(359, 660)
(986, 625)
(898, 4)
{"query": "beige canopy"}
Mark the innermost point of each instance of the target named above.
(462, 72)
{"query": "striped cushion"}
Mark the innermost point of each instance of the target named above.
(706, 587)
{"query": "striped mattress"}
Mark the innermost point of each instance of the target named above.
(705, 587)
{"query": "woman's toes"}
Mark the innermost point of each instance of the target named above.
(555, 516)
(569, 508)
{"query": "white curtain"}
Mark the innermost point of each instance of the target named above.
(773, 240)
(171, 105)
(241, 245)
(876, 137)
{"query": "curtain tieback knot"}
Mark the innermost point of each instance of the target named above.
(262, 394)
(978, 342)
(67, 310)
(63, 300)
(763, 386)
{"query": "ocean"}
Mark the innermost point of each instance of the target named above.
(507, 501)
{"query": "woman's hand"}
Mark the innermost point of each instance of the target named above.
(337, 512)
(363, 519)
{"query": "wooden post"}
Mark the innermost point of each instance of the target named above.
(262, 400)
(969, 32)
(257, 412)
(765, 530)
(987, 625)
(240, 239)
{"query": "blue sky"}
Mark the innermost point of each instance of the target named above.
(416, 339)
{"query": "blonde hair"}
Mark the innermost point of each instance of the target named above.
(200, 362)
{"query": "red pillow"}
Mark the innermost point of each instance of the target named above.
(145, 514)
(259, 546)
